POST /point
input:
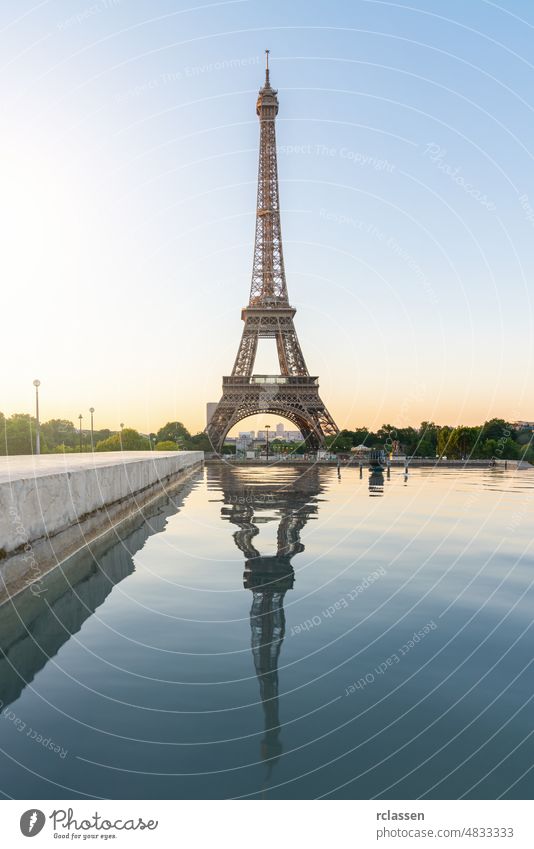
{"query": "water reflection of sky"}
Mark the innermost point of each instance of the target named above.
(255, 636)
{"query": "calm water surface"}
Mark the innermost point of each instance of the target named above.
(281, 633)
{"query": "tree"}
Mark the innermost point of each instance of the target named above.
(3, 435)
(59, 432)
(99, 435)
(497, 429)
(447, 442)
(199, 442)
(173, 432)
(343, 441)
(467, 440)
(508, 450)
(167, 445)
(427, 440)
(488, 448)
(20, 434)
(384, 433)
(128, 440)
(362, 436)
(112, 443)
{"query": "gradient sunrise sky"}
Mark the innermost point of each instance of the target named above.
(128, 172)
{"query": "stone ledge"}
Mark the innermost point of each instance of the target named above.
(51, 505)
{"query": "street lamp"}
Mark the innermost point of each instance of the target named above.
(37, 384)
(91, 410)
(267, 446)
(80, 418)
(120, 434)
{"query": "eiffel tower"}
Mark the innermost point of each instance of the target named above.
(294, 393)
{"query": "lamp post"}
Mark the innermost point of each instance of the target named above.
(81, 447)
(91, 410)
(37, 384)
(120, 434)
(267, 446)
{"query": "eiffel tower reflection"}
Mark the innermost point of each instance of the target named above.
(250, 501)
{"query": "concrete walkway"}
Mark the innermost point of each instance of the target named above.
(23, 466)
(42, 496)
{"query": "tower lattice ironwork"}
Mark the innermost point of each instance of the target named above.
(294, 393)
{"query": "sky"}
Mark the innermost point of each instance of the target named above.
(128, 166)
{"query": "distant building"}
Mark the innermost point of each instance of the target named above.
(281, 434)
(524, 425)
(244, 441)
(211, 406)
(293, 436)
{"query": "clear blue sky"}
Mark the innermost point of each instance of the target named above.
(129, 154)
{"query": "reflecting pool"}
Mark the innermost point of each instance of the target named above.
(284, 632)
